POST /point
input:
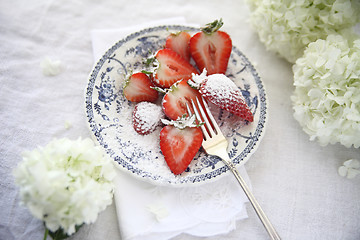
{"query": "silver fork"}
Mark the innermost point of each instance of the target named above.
(216, 144)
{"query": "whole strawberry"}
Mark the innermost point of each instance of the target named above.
(146, 117)
(211, 48)
(223, 92)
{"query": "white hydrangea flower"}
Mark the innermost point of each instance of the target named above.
(326, 99)
(350, 168)
(287, 27)
(66, 183)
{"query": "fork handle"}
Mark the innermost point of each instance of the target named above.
(265, 221)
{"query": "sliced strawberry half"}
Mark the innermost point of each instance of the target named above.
(179, 146)
(211, 48)
(146, 117)
(223, 92)
(138, 88)
(179, 42)
(172, 67)
(175, 100)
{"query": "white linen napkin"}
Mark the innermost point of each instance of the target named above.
(147, 211)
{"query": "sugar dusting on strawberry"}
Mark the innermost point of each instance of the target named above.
(170, 68)
(223, 92)
(146, 117)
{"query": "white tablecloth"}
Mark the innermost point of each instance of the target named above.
(295, 180)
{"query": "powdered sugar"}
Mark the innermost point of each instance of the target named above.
(196, 79)
(223, 92)
(110, 115)
(146, 117)
(182, 122)
(142, 151)
(221, 87)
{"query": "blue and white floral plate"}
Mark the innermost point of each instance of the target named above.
(109, 114)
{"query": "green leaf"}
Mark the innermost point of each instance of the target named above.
(60, 233)
(146, 72)
(212, 27)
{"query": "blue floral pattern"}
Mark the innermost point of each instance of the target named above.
(109, 120)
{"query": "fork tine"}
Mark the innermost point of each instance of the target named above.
(212, 122)
(204, 117)
(217, 145)
(198, 117)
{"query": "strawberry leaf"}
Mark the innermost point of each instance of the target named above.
(183, 122)
(212, 27)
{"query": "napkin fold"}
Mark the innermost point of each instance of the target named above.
(147, 211)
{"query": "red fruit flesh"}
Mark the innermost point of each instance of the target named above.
(179, 42)
(179, 146)
(172, 68)
(138, 88)
(211, 51)
(174, 101)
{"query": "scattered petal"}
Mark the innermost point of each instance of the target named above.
(350, 168)
(352, 163)
(67, 124)
(51, 67)
(352, 173)
(159, 211)
(343, 171)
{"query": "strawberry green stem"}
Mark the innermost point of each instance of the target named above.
(160, 90)
(212, 27)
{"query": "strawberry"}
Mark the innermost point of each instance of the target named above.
(138, 87)
(211, 48)
(180, 145)
(172, 67)
(146, 117)
(179, 42)
(175, 99)
(223, 92)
